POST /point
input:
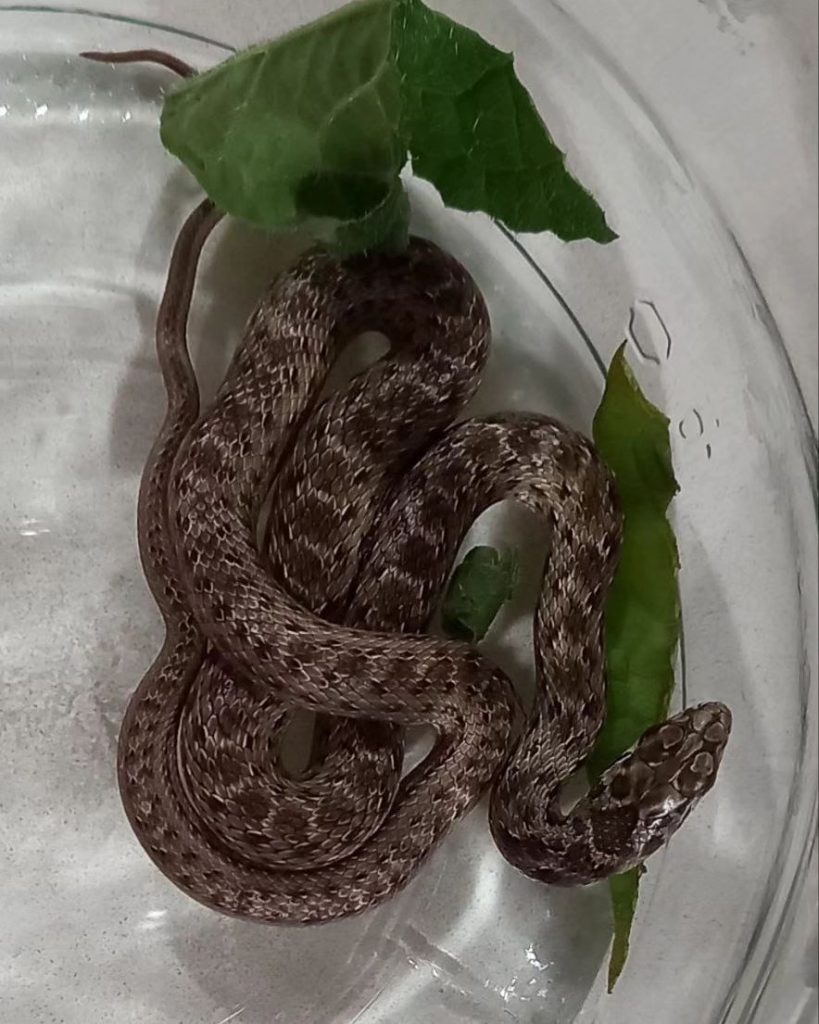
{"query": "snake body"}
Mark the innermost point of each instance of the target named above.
(372, 491)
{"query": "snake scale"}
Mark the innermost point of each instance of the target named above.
(297, 547)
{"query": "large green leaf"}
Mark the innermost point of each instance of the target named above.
(643, 609)
(303, 130)
(475, 133)
(312, 130)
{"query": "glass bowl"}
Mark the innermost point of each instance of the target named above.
(90, 207)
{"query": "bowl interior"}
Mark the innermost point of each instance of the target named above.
(90, 207)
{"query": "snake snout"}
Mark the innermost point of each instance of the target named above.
(713, 722)
(708, 728)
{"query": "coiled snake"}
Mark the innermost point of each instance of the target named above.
(371, 492)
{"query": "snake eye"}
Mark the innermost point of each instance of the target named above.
(620, 787)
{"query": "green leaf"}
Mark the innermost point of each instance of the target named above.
(643, 609)
(304, 131)
(624, 892)
(480, 586)
(475, 133)
(312, 131)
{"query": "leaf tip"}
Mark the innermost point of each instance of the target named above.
(605, 234)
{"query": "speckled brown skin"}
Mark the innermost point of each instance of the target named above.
(473, 715)
(643, 799)
(318, 520)
(197, 763)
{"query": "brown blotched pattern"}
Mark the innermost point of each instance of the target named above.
(371, 494)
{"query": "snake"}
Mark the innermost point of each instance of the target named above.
(297, 547)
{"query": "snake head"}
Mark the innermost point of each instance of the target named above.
(682, 756)
(666, 775)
